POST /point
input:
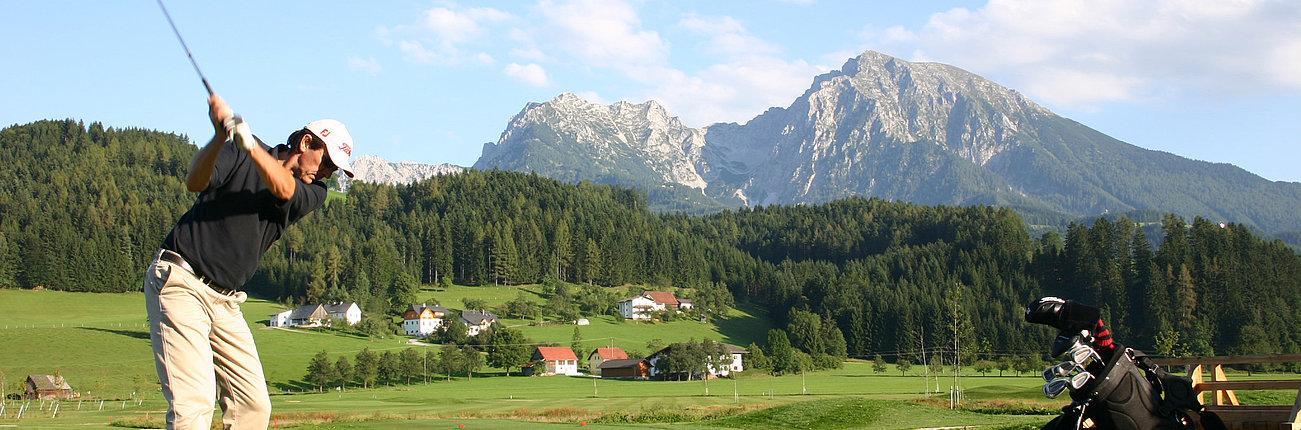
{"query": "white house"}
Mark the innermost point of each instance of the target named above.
(317, 315)
(348, 312)
(738, 357)
(559, 360)
(422, 320)
(280, 319)
(734, 351)
(476, 321)
(641, 307)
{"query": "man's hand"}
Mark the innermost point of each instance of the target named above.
(219, 112)
(243, 135)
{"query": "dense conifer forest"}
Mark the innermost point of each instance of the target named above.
(84, 207)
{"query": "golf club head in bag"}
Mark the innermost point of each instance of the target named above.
(1083, 355)
(1056, 387)
(1063, 369)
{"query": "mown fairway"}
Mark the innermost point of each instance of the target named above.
(100, 343)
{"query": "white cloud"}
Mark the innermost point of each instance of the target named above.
(368, 65)
(531, 74)
(447, 35)
(1079, 52)
(602, 33)
(727, 36)
(732, 92)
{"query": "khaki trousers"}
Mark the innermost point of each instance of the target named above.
(203, 349)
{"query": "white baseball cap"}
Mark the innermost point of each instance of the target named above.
(338, 143)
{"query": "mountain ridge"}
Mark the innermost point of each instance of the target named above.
(880, 126)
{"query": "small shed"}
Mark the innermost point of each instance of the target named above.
(47, 387)
(627, 368)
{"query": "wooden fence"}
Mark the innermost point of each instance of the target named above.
(1223, 399)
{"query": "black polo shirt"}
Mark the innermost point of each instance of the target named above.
(236, 219)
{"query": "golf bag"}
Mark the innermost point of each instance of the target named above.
(1121, 388)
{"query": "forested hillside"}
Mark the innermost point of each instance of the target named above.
(84, 208)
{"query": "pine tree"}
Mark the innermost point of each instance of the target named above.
(320, 372)
(367, 367)
(343, 372)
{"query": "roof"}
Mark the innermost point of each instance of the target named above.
(731, 349)
(338, 308)
(48, 382)
(662, 297)
(421, 308)
(619, 364)
(308, 312)
(478, 317)
(610, 353)
(551, 353)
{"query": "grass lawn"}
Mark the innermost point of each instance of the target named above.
(100, 343)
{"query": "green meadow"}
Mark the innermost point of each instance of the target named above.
(100, 344)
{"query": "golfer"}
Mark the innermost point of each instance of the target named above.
(248, 194)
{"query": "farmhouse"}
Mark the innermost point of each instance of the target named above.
(476, 321)
(641, 307)
(559, 360)
(626, 368)
(318, 315)
(422, 320)
(731, 363)
(46, 387)
(600, 355)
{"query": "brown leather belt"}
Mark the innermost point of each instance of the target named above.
(174, 258)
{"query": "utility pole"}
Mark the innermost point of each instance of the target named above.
(954, 392)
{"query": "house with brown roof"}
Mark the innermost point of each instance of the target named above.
(640, 307)
(600, 355)
(47, 387)
(626, 368)
(422, 320)
(559, 360)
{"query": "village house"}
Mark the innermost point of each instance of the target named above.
(627, 368)
(600, 355)
(640, 307)
(317, 315)
(476, 321)
(559, 360)
(736, 354)
(47, 387)
(422, 320)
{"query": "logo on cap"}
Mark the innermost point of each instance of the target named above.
(325, 132)
(347, 149)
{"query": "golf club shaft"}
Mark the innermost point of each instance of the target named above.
(187, 48)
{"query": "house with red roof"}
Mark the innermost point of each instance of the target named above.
(558, 360)
(601, 355)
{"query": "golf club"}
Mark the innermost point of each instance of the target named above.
(1065, 368)
(236, 127)
(1080, 379)
(1083, 355)
(1064, 343)
(184, 46)
(1056, 387)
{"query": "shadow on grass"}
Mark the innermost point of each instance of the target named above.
(138, 334)
(742, 331)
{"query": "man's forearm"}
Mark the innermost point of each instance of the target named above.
(203, 164)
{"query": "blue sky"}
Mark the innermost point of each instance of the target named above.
(432, 81)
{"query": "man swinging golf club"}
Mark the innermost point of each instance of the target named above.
(248, 194)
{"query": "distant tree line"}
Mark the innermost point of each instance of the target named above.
(84, 208)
